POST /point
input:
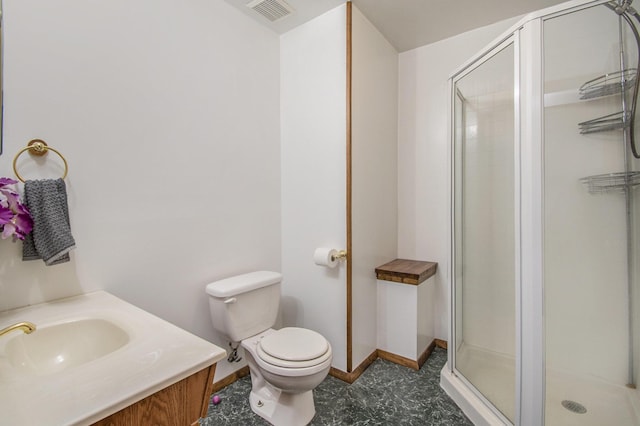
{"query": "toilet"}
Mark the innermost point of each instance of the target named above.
(286, 364)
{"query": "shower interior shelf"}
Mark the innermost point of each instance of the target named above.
(600, 87)
(611, 182)
(606, 85)
(617, 120)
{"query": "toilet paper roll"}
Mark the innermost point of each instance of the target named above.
(325, 257)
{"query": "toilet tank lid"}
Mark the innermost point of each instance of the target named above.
(238, 284)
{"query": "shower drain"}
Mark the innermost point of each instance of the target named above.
(574, 407)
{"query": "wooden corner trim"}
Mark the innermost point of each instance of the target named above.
(349, 183)
(353, 376)
(398, 359)
(426, 354)
(441, 343)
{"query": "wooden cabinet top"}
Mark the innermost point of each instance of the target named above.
(406, 271)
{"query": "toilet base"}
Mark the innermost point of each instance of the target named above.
(283, 409)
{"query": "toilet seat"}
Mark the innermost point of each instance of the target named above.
(294, 347)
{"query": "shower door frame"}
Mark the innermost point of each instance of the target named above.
(527, 38)
(511, 40)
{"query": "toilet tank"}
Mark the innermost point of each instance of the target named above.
(244, 305)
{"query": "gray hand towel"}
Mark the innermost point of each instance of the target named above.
(51, 238)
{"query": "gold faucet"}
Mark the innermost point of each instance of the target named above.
(26, 326)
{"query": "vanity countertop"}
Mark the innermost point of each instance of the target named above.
(157, 354)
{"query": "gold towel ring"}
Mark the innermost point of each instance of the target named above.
(38, 147)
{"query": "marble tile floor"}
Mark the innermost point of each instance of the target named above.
(385, 394)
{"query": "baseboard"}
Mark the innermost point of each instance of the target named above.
(391, 357)
(352, 376)
(231, 378)
(398, 359)
(408, 362)
(424, 356)
(441, 343)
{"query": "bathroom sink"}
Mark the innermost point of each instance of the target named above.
(54, 348)
(91, 356)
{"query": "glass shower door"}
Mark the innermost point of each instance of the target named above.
(484, 222)
(590, 221)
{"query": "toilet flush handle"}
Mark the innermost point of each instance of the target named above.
(230, 300)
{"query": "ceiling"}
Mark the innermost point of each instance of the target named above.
(408, 24)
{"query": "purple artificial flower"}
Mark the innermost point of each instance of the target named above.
(4, 181)
(11, 196)
(19, 227)
(5, 215)
(22, 222)
(15, 219)
(8, 229)
(12, 199)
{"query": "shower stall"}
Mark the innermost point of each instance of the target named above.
(545, 229)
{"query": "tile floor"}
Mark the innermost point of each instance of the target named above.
(386, 394)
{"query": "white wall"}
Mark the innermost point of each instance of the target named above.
(313, 116)
(167, 113)
(423, 169)
(374, 174)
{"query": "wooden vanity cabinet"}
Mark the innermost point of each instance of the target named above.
(180, 404)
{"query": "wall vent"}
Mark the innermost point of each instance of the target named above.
(271, 9)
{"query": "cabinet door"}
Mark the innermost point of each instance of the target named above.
(182, 403)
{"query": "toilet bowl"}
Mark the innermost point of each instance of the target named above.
(282, 385)
(286, 364)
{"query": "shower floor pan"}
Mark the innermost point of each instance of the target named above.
(605, 403)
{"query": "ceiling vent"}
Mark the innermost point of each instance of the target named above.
(271, 9)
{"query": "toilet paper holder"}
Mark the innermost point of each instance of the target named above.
(328, 257)
(341, 255)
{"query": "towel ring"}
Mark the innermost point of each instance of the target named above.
(38, 147)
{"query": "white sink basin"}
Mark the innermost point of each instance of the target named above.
(90, 356)
(57, 347)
